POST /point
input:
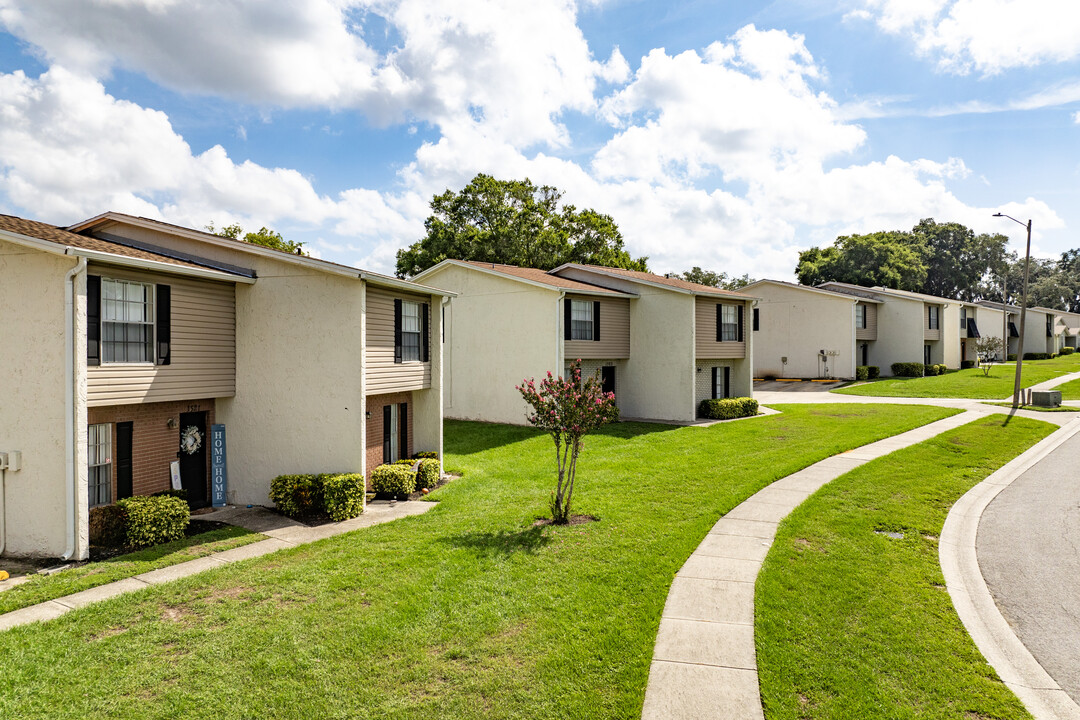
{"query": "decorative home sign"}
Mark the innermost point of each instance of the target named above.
(219, 472)
(174, 474)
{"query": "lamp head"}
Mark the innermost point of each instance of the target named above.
(997, 215)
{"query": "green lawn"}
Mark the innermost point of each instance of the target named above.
(971, 383)
(49, 587)
(855, 624)
(1070, 390)
(468, 611)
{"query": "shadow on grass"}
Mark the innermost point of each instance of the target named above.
(634, 428)
(502, 542)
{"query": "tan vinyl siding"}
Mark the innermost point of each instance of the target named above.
(870, 331)
(705, 331)
(202, 348)
(614, 342)
(929, 334)
(383, 374)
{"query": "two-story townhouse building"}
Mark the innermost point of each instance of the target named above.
(808, 332)
(661, 345)
(1040, 333)
(126, 339)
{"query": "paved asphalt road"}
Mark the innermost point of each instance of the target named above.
(1029, 551)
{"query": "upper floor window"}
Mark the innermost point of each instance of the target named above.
(127, 321)
(729, 323)
(932, 317)
(860, 316)
(410, 331)
(581, 320)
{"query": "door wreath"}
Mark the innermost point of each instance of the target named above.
(191, 440)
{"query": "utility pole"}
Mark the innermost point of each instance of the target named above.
(1023, 310)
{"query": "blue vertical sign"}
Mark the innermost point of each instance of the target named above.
(219, 470)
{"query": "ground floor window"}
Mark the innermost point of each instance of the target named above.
(99, 461)
(721, 382)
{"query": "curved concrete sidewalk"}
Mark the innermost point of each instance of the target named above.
(704, 662)
(1028, 583)
(285, 535)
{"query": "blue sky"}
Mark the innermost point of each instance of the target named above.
(725, 135)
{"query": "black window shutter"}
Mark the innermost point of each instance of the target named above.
(740, 336)
(386, 430)
(712, 395)
(727, 382)
(403, 418)
(425, 345)
(567, 318)
(755, 319)
(93, 320)
(397, 330)
(719, 322)
(596, 320)
(164, 324)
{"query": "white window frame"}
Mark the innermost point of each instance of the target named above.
(582, 323)
(99, 464)
(395, 431)
(118, 313)
(729, 328)
(411, 340)
(860, 316)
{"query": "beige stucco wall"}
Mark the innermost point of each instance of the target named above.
(499, 332)
(796, 324)
(660, 374)
(32, 413)
(900, 333)
(1035, 340)
(950, 335)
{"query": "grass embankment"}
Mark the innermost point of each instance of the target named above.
(468, 611)
(971, 383)
(1070, 390)
(49, 587)
(851, 623)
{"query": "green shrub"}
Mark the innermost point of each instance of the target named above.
(394, 480)
(427, 475)
(404, 461)
(1067, 350)
(873, 372)
(967, 364)
(942, 368)
(728, 408)
(862, 372)
(1037, 356)
(908, 369)
(297, 495)
(1010, 357)
(343, 495)
(181, 493)
(427, 455)
(108, 525)
(154, 520)
(930, 370)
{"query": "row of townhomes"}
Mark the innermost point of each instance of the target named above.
(126, 340)
(828, 330)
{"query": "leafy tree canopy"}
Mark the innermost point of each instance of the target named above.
(516, 223)
(718, 280)
(265, 237)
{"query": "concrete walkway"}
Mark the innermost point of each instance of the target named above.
(704, 662)
(282, 533)
(1009, 553)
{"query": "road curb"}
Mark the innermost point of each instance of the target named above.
(971, 598)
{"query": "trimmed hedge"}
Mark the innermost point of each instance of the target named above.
(1038, 356)
(930, 370)
(297, 495)
(1011, 357)
(394, 480)
(873, 372)
(154, 520)
(908, 369)
(427, 455)
(1067, 350)
(181, 493)
(427, 475)
(967, 364)
(108, 525)
(343, 495)
(862, 372)
(728, 408)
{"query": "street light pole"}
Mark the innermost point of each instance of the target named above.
(1023, 309)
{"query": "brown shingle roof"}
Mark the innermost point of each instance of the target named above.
(545, 278)
(60, 236)
(661, 280)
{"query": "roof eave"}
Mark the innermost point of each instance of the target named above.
(662, 286)
(545, 286)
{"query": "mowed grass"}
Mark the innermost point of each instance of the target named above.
(49, 587)
(855, 624)
(1070, 390)
(971, 383)
(468, 611)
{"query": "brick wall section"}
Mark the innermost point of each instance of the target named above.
(375, 405)
(153, 443)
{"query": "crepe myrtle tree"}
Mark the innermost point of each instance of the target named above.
(987, 348)
(568, 410)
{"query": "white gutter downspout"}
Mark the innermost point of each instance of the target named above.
(560, 347)
(70, 441)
